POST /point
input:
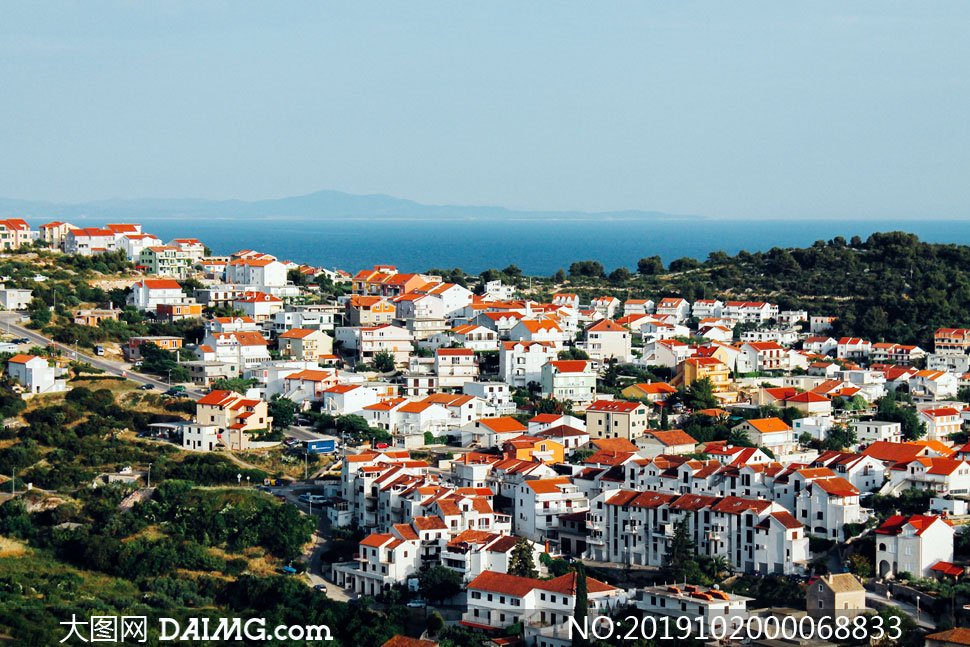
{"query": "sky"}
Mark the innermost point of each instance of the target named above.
(741, 109)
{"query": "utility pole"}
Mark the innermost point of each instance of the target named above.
(306, 462)
(149, 480)
(13, 482)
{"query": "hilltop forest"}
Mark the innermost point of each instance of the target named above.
(889, 287)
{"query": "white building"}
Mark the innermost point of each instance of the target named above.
(912, 545)
(572, 380)
(34, 374)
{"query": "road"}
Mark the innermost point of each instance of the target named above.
(11, 322)
(314, 557)
(876, 601)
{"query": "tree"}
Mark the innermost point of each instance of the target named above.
(664, 419)
(619, 276)
(559, 276)
(679, 563)
(512, 271)
(434, 623)
(238, 385)
(283, 411)
(839, 437)
(383, 362)
(521, 561)
(684, 264)
(581, 607)
(651, 265)
(440, 583)
(700, 395)
(592, 269)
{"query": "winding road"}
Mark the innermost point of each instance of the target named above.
(11, 323)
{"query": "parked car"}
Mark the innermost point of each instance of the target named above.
(320, 587)
(417, 603)
(288, 570)
(147, 387)
(304, 498)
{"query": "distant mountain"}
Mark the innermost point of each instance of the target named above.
(322, 205)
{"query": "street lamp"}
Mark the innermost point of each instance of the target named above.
(238, 479)
(149, 480)
(169, 378)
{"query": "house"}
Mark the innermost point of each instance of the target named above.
(521, 362)
(693, 369)
(544, 330)
(34, 374)
(472, 337)
(539, 502)
(820, 345)
(455, 367)
(705, 308)
(191, 246)
(497, 600)
(676, 308)
(94, 317)
(132, 350)
(870, 431)
(616, 419)
(933, 385)
(956, 637)
(673, 442)
(147, 294)
(606, 306)
(235, 415)
(346, 399)
(256, 272)
(303, 343)
(89, 241)
(14, 298)
(534, 448)
(940, 422)
(258, 306)
(491, 432)
(572, 380)
(653, 392)
(770, 433)
(307, 384)
(951, 341)
(810, 404)
(453, 297)
(54, 233)
(912, 545)
(826, 504)
(368, 311)
(835, 595)
(606, 340)
(749, 311)
(638, 307)
(704, 607)
(162, 260)
(763, 356)
(133, 245)
(366, 342)
(178, 311)
(853, 348)
(245, 349)
(945, 476)
(495, 394)
(422, 314)
(566, 299)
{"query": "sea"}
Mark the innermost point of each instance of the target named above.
(537, 247)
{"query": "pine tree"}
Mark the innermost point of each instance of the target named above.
(664, 422)
(581, 609)
(521, 562)
(679, 562)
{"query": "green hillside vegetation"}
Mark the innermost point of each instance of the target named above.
(890, 287)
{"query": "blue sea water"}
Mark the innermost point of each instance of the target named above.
(537, 247)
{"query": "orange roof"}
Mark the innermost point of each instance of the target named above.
(219, 398)
(297, 333)
(606, 325)
(896, 452)
(21, 358)
(615, 406)
(311, 375)
(570, 365)
(547, 486)
(673, 437)
(655, 387)
(895, 524)
(521, 586)
(768, 425)
(159, 284)
(615, 444)
(376, 539)
(406, 641)
(504, 424)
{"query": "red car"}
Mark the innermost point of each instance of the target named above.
(382, 445)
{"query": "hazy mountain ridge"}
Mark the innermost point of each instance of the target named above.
(321, 205)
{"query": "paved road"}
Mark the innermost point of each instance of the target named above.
(321, 539)
(874, 600)
(11, 320)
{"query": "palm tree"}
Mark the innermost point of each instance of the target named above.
(720, 566)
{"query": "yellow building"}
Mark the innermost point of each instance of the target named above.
(529, 448)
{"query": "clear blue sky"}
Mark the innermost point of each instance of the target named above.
(723, 109)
